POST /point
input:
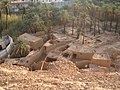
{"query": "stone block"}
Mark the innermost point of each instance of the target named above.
(101, 59)
(33, 41)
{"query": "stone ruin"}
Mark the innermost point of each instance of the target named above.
(44, 53)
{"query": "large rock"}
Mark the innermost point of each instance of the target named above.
(33, 41)
(54, 54)
(101, 59)
(49, 45)
(11, 61)
(53, 44)
(40, 66)
(80, 52)
(31, 58)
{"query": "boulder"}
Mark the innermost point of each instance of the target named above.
(31, 58)
(40, 65)
(11, 61)
(101, 59)
(80, 52)
(83, 64)
(33, 41)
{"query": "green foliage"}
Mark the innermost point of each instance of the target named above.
(41, 16)
(20, 49)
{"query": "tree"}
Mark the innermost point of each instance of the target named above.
(37, 23)
(1, 27)
(85, 19)
(76, 8)
(117, 18)
(78, 32)
(111, 14)
(6, 5)
(74, 22)
(21, 49)
(49, 16)
(24, 11)
(64, 17)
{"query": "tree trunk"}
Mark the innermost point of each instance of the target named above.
(1, 27)
(105, 20)
(74, 10)
(64, 28)
(91, 25)
(24, 11)
(78, 35)
(112, 18)
(7, 13)
(94, 26)
(99, 23)
(83, 39)
(49, 33)
(73, 27)
(111, 24)
(117, 23)
(98, 26)
(6, 22)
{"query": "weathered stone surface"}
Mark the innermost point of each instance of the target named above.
(40, 65)
(30, 59)
(80, 52)
(101, 59)
(40, 33)
(53, 44)
(11, 61)
(83, 64)
(33, 41)
(49, 45)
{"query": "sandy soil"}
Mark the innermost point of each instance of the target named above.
(61, 75)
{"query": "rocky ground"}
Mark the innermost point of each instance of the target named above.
(61, 75)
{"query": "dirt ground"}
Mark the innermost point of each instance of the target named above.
(61, 75)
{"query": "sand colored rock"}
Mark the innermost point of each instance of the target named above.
(40, 33)
(54, 54)
(49, 45)
(83, 64)
(53, 44)
(11, 61)
(40, 66)
(80, 52)
(30, 59)
(33, 41)
(101, 59)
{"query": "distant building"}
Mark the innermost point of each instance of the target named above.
(17, 4)
(47, 1)
(56, 3)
